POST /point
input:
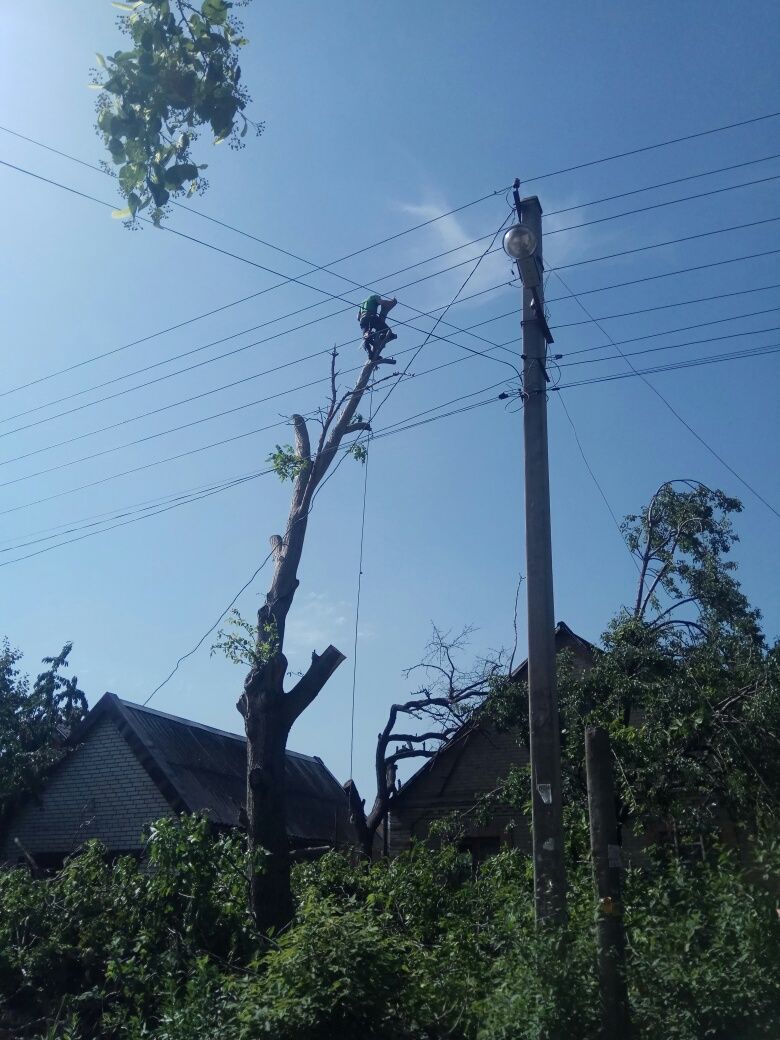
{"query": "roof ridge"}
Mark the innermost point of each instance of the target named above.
(135, 706)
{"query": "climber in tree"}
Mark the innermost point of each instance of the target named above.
(372, 314)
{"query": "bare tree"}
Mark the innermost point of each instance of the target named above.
(443, 704)
(269, 710)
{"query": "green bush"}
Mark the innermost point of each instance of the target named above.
(421, 947)
(705, 950)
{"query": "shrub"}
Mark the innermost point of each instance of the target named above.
(421, 947)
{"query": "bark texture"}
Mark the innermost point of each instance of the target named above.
(268, 710)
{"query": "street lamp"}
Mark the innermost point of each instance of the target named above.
(520, 244)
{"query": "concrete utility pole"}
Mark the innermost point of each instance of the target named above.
(547, 816)
(605, 850)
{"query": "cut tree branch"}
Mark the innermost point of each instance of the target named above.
(306, 689)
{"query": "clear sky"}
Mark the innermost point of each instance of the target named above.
(377, 118)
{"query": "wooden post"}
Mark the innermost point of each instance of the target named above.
(605, 850)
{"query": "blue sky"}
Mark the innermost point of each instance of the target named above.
(378, 118)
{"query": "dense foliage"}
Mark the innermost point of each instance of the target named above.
(179, 74)
(35, 719)
(685, 684)
(421, 948)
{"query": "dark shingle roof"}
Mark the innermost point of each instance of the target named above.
(202, 769)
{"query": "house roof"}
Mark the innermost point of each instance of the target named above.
(565, 639)
(202, 769)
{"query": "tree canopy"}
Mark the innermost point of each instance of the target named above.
(685, 682)
(179, 74)
(35, 719)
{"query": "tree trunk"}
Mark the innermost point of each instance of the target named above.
(266, 729)
(269, 712)
(357, 816)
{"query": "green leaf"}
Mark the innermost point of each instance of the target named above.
(127, 7)
(130, 176)
(101, 60)
(133, 202)
(215, 11)
(135, 151)
(177, 175)
(160, 196)
(121, 214)
(117, 150)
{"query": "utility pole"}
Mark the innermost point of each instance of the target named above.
(610, 933)
(545, 751)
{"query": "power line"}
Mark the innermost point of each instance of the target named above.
(673, 366)
(661, 306)
(191, 238)
(202, 419)
(326, 267)
(440, 216)
(662, 205)
(217, 489)
(234, 352)
(585, 292)
(596, 481)
(153, 436)
(231, 353)
(458, 209)
(193, 451)
(285, 281)
(669, 242)
(414, 422)
(668, 405)
(734, 355)
(351, 282)
(670, 305)
(114, 514)
(652, 147)
(140, 469)
(239, 231)
(669, 274)
(287, 364)
(673, 332)
(48, 534)
(752, 352)
(138, 514)
(659, 184)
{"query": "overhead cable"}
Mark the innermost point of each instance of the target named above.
(643, 376)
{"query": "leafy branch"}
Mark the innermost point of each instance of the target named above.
(243, 643)
(180, 74)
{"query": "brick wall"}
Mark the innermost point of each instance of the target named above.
(100, 791)
(464, 772)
